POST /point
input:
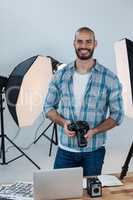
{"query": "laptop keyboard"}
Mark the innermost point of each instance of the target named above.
(5, 198)
(20, 190)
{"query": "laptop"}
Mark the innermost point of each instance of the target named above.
(58, 184)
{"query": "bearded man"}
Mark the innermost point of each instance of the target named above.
(84, 90)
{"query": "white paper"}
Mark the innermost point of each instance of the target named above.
(109, 180)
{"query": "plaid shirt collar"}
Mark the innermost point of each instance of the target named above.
(72, 68)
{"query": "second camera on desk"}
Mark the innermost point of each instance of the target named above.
(94, 187)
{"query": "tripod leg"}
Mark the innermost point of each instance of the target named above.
(51, 143)
(2, 129)
(21, 152)
(2, 151)
(43, 133)
(56, 135)
(47, 137)
(3, 136)
(125, 166)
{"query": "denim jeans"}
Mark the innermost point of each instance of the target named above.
(91, 162)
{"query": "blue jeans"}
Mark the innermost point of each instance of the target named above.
(91, 162)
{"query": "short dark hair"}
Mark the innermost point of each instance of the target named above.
(85, 29)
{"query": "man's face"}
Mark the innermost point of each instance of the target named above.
(84, 45)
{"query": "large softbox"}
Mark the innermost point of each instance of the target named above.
(27, 87)
(124, 62)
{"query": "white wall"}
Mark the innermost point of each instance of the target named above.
(30, 27)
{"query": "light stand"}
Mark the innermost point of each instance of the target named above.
(3, 136)
(126, 164)
(124, 63)
(54, 133)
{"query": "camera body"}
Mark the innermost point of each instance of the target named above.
(94, 187)
(81, 128)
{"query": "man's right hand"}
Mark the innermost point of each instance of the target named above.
(67, 132)
(54, 116)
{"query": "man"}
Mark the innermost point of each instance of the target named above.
(84, 90)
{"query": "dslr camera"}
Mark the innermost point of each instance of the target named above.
(81, 128)
(94, 187)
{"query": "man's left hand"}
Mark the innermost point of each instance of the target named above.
(90, 134)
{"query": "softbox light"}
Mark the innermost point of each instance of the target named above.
(27, 87)
(124, 63)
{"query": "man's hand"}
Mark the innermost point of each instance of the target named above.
(90, 134)
(67, 132)
(54, 116)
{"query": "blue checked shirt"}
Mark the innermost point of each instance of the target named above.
(102, 99)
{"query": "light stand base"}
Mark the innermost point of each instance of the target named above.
(3, 137)
(54, 133)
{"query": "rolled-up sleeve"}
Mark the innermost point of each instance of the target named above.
(53, 96)
(116, 110)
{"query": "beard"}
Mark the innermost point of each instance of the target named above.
(84, 54)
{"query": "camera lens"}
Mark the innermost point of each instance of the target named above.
(96, 190)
